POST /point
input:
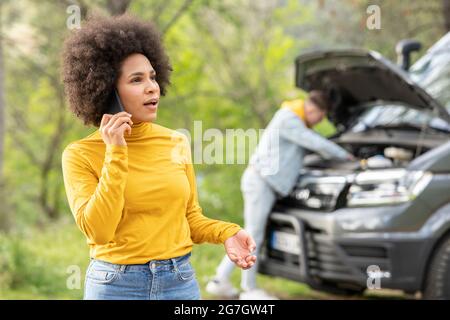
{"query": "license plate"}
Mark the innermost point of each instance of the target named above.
(286, 242)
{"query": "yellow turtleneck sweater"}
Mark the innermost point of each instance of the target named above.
(138, 202)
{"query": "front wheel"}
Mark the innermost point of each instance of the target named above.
(437, 285)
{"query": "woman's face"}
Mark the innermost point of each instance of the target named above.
(138, 89)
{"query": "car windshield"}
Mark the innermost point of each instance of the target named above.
(432, 71)
(397, 115)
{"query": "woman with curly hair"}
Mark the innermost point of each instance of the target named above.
(131, 183)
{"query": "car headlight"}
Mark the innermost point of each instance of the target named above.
(318, 193)
(388, 186)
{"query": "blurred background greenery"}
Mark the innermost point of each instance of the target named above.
(233, 66)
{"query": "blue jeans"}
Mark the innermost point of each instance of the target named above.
(171, 279)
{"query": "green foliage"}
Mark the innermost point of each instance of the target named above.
(325, 128)
(36, 261)
(34, 265)
(233, 66)
(220, 193)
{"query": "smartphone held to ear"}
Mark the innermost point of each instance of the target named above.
(114, 105)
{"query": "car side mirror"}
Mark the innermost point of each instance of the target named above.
(404, 48)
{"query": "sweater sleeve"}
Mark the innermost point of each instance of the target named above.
(296, 132)
(96, 204)
(204, 229)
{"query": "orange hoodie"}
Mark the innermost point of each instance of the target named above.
(297, 106)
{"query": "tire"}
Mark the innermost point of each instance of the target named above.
(437, 285)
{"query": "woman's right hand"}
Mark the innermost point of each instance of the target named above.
(113, 127)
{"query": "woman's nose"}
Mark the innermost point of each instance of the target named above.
(151, 86)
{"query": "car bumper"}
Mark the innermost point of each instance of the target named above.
(334, 251)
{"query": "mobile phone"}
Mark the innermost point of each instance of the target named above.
(114, 103)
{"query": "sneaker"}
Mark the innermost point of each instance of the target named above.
(222, 288)
(256, 294)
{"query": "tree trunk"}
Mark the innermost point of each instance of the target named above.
(446, 12)
(4, 214)
(117, 7)
(2, 99)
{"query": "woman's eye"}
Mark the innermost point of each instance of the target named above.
(136, 80)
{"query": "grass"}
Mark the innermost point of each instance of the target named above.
(206, 257)
(35, 265)
(35, 262)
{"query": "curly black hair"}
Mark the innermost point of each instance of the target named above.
(92, 58)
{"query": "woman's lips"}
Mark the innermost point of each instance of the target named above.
(151, 107)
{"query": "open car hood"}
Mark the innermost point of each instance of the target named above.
(353, 77)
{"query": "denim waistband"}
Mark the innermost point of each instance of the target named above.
(165, 264)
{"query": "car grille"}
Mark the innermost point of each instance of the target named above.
(324, 258)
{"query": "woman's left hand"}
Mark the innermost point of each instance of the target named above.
(239, 249)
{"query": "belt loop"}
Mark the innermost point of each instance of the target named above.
(174, 262)
(122, 268)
